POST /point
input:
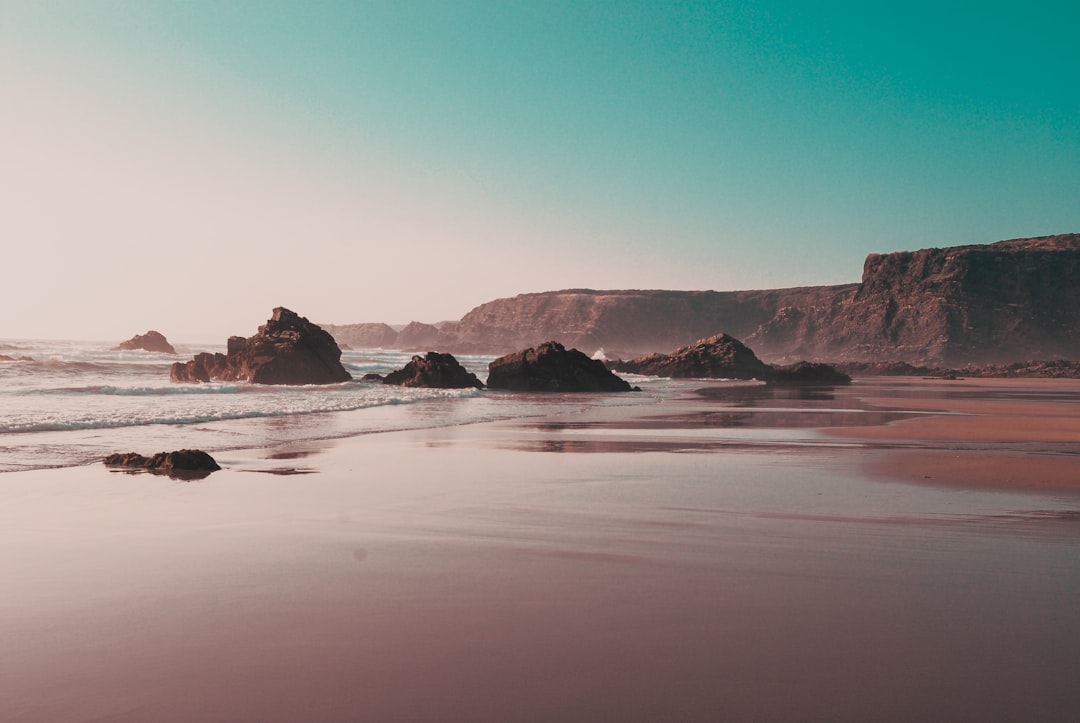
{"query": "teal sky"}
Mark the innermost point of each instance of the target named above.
(188, 166)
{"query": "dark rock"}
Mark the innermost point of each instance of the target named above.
(718, 357)
(372, 377)
(805, 372)
(150, 341)
(288, 349)
(552, 368)
(185, 463)
(441, 371)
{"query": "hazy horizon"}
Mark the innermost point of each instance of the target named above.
(188, 167)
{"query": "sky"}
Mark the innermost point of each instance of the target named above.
(188, 166)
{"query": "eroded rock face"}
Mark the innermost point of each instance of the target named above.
(718, 357)
(440, 371)
(288, 349)
(188, 463)
(150, 341)
(551, 367)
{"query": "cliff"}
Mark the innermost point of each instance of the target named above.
(994, 303)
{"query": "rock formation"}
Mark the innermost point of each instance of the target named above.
(150, 341)
(288, 349)
(441, 371)
(718, 357)
(550, 367)
(186, 463)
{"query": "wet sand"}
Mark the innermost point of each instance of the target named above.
(716, 556)
(1012, 434)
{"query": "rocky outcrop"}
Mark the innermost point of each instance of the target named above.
(364, 336)
(150, 341)
(440, 371)
(185, 463)
(551, 367)
(718, 357)
(288, 349)
(1002, 302)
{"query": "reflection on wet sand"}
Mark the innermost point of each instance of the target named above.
(773, 573)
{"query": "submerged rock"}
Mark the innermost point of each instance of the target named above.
(288, 349)
(552, 368)
(441, 371)
(717, 357)
(150, 341)
(185, 463)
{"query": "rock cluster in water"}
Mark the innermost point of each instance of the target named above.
(718, 357)
(551, 367)
(288, 349)
(150, 341)
(441, 371)
(725, 357)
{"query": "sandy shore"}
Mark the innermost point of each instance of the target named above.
(705, 558)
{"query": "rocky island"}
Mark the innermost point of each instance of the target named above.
(152, 340)
(288, 349)
(551, 367)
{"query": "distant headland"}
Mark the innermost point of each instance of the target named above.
(979, 304)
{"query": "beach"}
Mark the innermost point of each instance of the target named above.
(899, 549)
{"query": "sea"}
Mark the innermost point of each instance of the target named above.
(69, 403)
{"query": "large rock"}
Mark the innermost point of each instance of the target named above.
(150, 341)
(718, 357)
(441, 371)
(288, 349)
(550, 367)
(186, 463)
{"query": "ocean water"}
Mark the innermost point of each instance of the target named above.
(78, 401)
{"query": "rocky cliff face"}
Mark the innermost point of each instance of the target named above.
(625, 324)
(1008, 301)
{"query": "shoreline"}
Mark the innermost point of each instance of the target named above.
(683, 559)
